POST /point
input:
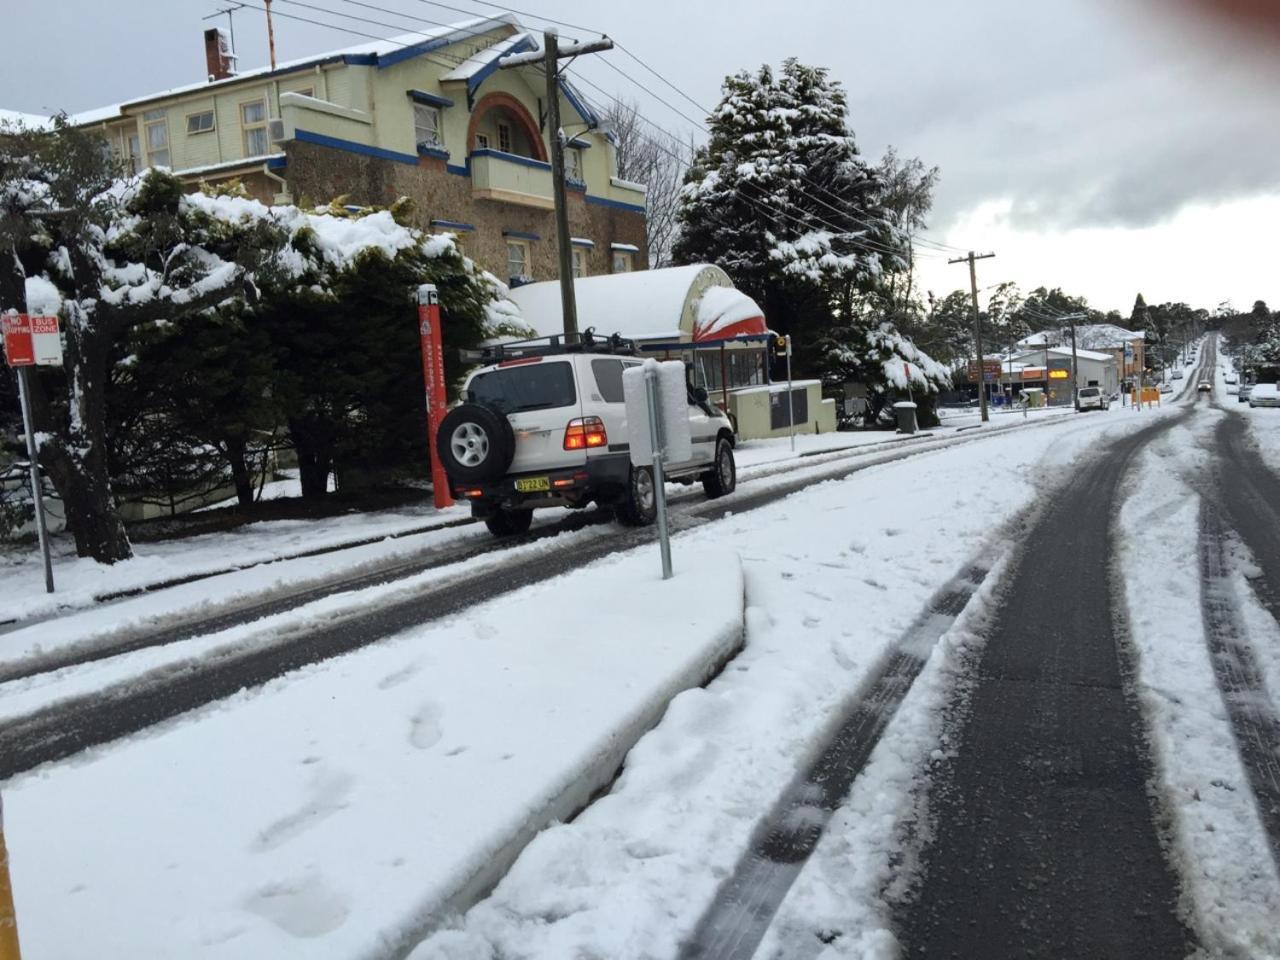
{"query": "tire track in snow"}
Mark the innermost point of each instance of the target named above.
(744, 907)
(1249, 705)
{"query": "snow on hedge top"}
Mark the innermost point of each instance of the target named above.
(725, 311)
(340, 239)
(643, 305)
(29, 121)
(925, 372)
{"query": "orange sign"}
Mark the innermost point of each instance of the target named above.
(1059, 374)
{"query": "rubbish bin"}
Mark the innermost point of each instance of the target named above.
(906, 411)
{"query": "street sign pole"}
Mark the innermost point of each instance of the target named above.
(791, 408)
(37, 495)
(659, 478)
(431, 339)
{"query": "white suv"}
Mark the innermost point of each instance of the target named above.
(546, 426)
(1092, 398)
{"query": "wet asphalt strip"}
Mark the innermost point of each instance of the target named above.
(736, 921)
(1043, 830)
(105, 715)
(1250, 706)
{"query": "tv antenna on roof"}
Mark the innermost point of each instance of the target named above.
(229, 13)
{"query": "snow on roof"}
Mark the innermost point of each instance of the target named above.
(31, 121)
(1091, 335)
(726, 312)
(485, 58)
(427, 38)
(1080, 352)
(643, 305)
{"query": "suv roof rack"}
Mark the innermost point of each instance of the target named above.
(587, 342)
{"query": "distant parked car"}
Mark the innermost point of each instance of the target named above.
(1166, 388)
(1231, 378)
(1232, 389)
(1264, 395)
(1177, 374)
(1091, 398)
(1245, 390)
(1204, 386)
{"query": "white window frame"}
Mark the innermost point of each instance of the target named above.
(162, 155)
(581, 262)
(434, 130)
(213, 122)
(515, 243)
(504, 138)
(625, 257)
(482, 141)
(251, 128)
(131, 149)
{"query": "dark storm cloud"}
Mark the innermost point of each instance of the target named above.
(1079, 112)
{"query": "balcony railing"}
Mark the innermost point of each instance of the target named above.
(510, 178)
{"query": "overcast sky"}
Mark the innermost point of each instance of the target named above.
(1105, 146)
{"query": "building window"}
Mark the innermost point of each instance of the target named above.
(504, 138)
(156, 125)
(579, 262)
(482, 142)
(426, 126)
(201, 122)
(518, 260)
(133, 152)
(622, 261)
(573, 165)
(253, 121)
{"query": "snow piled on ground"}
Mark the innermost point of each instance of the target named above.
(332, 812)
(1219, 844)
(834, 577)
(79, 580)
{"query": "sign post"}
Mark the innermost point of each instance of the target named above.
(659, 478)
(29, 341)
(791, 404)
(656, 396)
(431, 338)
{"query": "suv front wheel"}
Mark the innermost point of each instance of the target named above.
(508, 523)
(639, 505)
(722, 479)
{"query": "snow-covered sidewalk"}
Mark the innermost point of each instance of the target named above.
(340, 809)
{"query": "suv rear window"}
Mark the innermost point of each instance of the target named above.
(537, 386)
(1089, 392)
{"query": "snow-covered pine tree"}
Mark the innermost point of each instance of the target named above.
(782, 200)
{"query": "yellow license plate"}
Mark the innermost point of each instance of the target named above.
(534, 485)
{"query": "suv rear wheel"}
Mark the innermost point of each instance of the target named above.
(722, 479)
(639, 505)
(508, 523)
(475, 443)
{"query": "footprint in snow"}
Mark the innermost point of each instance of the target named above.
(424, 727)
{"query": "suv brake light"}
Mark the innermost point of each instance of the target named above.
(584, 432)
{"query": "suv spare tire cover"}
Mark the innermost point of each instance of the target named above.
(475, 442)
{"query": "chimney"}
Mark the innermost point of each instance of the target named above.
(218, 56)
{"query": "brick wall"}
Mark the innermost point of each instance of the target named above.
(321, 173)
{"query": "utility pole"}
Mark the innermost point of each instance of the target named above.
(271, 34)
(550, 56)
(1075, 361)
(977, 327)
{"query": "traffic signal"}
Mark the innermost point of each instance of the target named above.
(780, 347)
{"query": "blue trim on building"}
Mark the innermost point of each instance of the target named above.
(416, 50)
(584, 111)
(577, 143)
(616, 204)
(277, 163)
(433, 152)
(511, 158)
(360, 59)
(429, 99)
(350, 146)
(484, 73)
(463, 171)
(517, 235)
(452, 225)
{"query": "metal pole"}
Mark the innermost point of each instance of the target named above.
(271, 34)
(568, 302)
(659, 478)
(791, 409)
(37, 495)
(8, 920)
